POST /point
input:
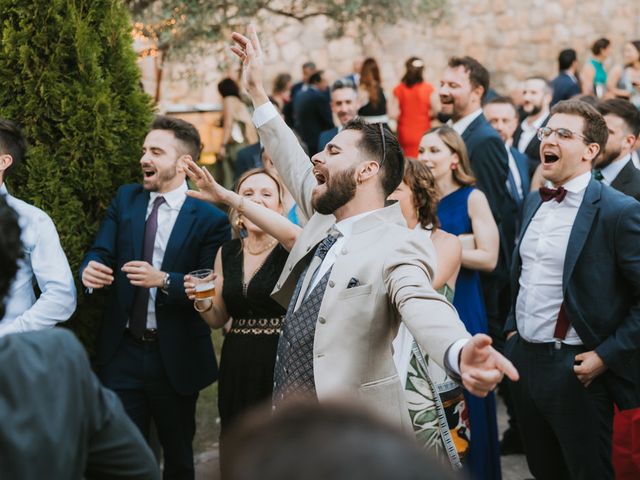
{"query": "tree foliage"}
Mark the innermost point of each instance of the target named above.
(70, 79)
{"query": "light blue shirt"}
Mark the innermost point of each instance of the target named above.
(45, 262)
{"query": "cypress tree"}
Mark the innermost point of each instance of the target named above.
(70, 79)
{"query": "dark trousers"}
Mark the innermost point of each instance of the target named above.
(566, 428)
(137, 375)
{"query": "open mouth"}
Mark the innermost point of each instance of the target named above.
(550, 157)
(320, 178)
(446, 100)
(148, 173)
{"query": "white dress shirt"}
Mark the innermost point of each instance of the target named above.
(635, 158)
(529, 131)
(543, 250)
(461, 125)
(167, 215)
(611, 171)
(45, 261)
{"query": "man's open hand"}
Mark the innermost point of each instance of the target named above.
(249, 51)
(141, 274)
(482, 367)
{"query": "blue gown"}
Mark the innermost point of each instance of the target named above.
(483, 460)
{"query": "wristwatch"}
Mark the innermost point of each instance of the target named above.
(166, 283)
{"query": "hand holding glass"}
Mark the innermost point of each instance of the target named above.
(203, 284)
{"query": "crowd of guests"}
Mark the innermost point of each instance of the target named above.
(403, 253)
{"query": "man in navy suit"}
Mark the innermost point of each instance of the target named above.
(312, 111)
(574, 329)
(344, 105)
(153, 348)
(248, 158)
(462, 87)
(566, 84)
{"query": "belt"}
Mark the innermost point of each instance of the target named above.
(256, 326)
(148, 335)
(547, 346)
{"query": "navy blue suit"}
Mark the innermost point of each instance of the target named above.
(564, 87)
(532, 150)
(312, 112)
(601, 285)
(248, 158)
(326, 137)
(523, 168)
(181, 361)
(490, 165)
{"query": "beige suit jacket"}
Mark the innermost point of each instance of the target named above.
(352, 352)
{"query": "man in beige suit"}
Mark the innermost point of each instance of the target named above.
(356, 270)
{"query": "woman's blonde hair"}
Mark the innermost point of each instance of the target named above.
(463, 175)
(234, 216)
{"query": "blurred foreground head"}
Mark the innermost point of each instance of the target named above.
(325, 441)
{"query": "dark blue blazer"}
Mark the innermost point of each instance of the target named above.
(312, 113)
(184, 338)
(563, 88)
(532, 150)
(248, 158)
(601, 284)
(523, 168)
(490, 165)
(326, 137)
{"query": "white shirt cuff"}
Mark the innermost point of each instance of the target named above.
(264, 113)
(453, 354)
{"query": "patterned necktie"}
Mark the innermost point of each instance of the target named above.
(552, 193)
(321, 251)
(597, 174)
(138, 319)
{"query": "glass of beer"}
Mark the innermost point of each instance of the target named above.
(204, 286)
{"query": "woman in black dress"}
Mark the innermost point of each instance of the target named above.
(245, 272)
(374, 103)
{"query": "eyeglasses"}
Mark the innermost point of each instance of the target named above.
(561, 133)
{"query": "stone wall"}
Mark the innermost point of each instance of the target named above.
(513, 39)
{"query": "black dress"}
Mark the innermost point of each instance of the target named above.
(249, 349)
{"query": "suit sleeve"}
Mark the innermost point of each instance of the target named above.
(621, 347)
(430, 318)
(103, 249)
(490, 164)
(291, 162)
(219, 232)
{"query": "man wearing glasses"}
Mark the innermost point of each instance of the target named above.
(574, 328)
(356, 270)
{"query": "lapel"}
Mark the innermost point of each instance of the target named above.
(181, 229)
(624, 177)
(468, 132)
(581, 227)
(138, 220)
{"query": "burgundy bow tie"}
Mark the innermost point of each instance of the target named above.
(550, 193)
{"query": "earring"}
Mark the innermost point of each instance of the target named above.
(239, 224)
(454, 166)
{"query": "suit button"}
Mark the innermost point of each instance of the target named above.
(290, 268)
(332, 283)
(322, 320)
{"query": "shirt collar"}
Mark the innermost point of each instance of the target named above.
(175, 198)
(535, 125)
(579, 183)
(346, 226)
(3, 189)
(611, 171)
(461, 125)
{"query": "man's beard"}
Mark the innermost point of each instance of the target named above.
(340, 190)
(160, 177)
(608, 156)
(535, 110)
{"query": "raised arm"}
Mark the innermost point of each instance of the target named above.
(279, 141)
(275, 224)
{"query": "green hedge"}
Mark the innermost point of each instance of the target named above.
(70, 79)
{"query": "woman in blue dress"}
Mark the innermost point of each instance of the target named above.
(464, 211)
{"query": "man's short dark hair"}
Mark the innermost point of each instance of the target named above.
(12, 142)
(600, 45)
(548, 88)
(10, 249)
(503, 100)
(343, 83)
(325, 441)
(623, 109)
(566, 59)
(316, 77)
(183, 131)
(478, 74)
(309, 65)
(389, 155)
(595, 129)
